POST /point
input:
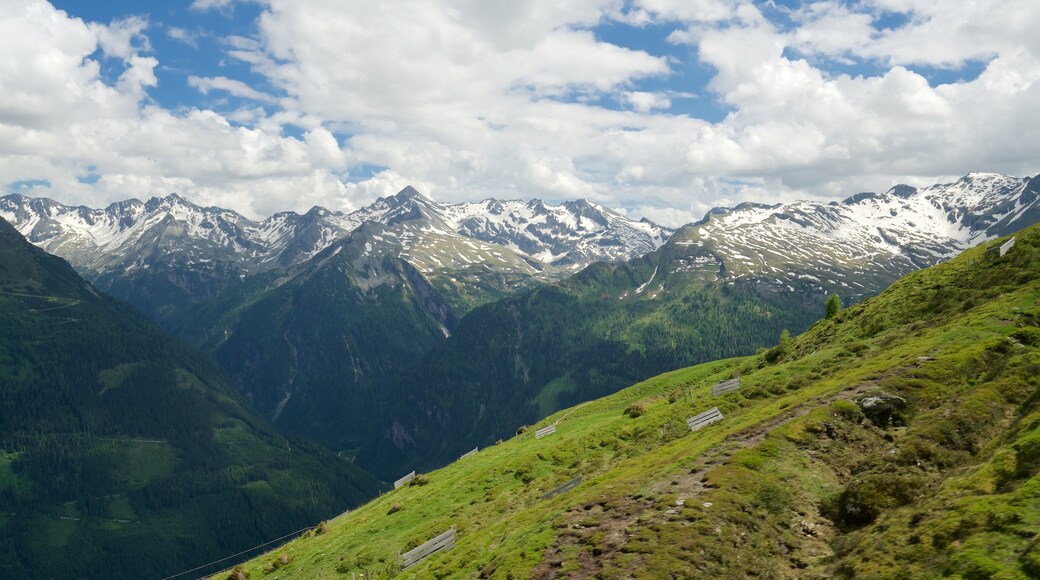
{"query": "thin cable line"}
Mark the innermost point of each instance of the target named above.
(238, 554)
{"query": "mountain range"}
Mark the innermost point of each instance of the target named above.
(408, 331)
(167, 253)
(718, 288)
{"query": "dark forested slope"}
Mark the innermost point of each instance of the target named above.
(124, 453)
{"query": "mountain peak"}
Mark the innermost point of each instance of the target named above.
(170, 200)
(176, 198)
(318, 211)
(402, 197)
(902, 190)
(409, 192)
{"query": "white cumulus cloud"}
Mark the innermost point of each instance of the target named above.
(466, 99)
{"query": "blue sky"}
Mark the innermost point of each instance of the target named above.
(662, 108)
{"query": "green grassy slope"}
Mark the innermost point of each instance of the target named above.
(801, 478)
(513, 361)
(123, 453)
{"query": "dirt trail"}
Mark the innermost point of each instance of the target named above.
(610, 520)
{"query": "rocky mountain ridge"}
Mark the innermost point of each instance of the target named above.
(860, 245)
(166, 253)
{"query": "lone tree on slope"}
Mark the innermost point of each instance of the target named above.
(833, 306)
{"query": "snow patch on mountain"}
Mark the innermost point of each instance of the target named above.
(532, 237)
(863, 242)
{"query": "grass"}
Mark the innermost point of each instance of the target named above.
(795, 481)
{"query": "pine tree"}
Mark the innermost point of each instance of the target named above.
(833, 306)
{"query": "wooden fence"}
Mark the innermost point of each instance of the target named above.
(704, 419)
(468, 453)
(445, 541)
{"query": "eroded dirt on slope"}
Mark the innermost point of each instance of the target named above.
(593, 536)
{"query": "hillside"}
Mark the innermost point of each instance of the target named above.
(514, 361)
(314, 347)
(116, 440)
(898, 439)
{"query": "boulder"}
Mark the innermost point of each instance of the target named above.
(883, 409)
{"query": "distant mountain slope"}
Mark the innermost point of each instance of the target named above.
(167, 253)
(898, 439)
(314, 347)
(860, 245)
(125, 454)
(717, 288)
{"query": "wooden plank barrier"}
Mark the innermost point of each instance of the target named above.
(445, 541)
(704, 419)
(1007, 246)
(563, 488)
(468, 453)
(545, 431)
(725, 387)
(404, 480)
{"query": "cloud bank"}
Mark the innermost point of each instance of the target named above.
(468, 99)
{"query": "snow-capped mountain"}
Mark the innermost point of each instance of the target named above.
(168, 249)
(858, 246)
(573, 234)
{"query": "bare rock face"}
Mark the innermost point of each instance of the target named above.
(883, 409)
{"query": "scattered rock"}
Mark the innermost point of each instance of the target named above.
(808, 528)
(883, 409)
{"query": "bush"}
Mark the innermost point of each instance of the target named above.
(1028, 336)
(635, 410)
(421, 479)
(846, 410)
(867, 497)
(779, 351)
(1027, 455)
(524, 474)
(279, 562)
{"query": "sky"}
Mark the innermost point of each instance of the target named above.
(660, 108)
